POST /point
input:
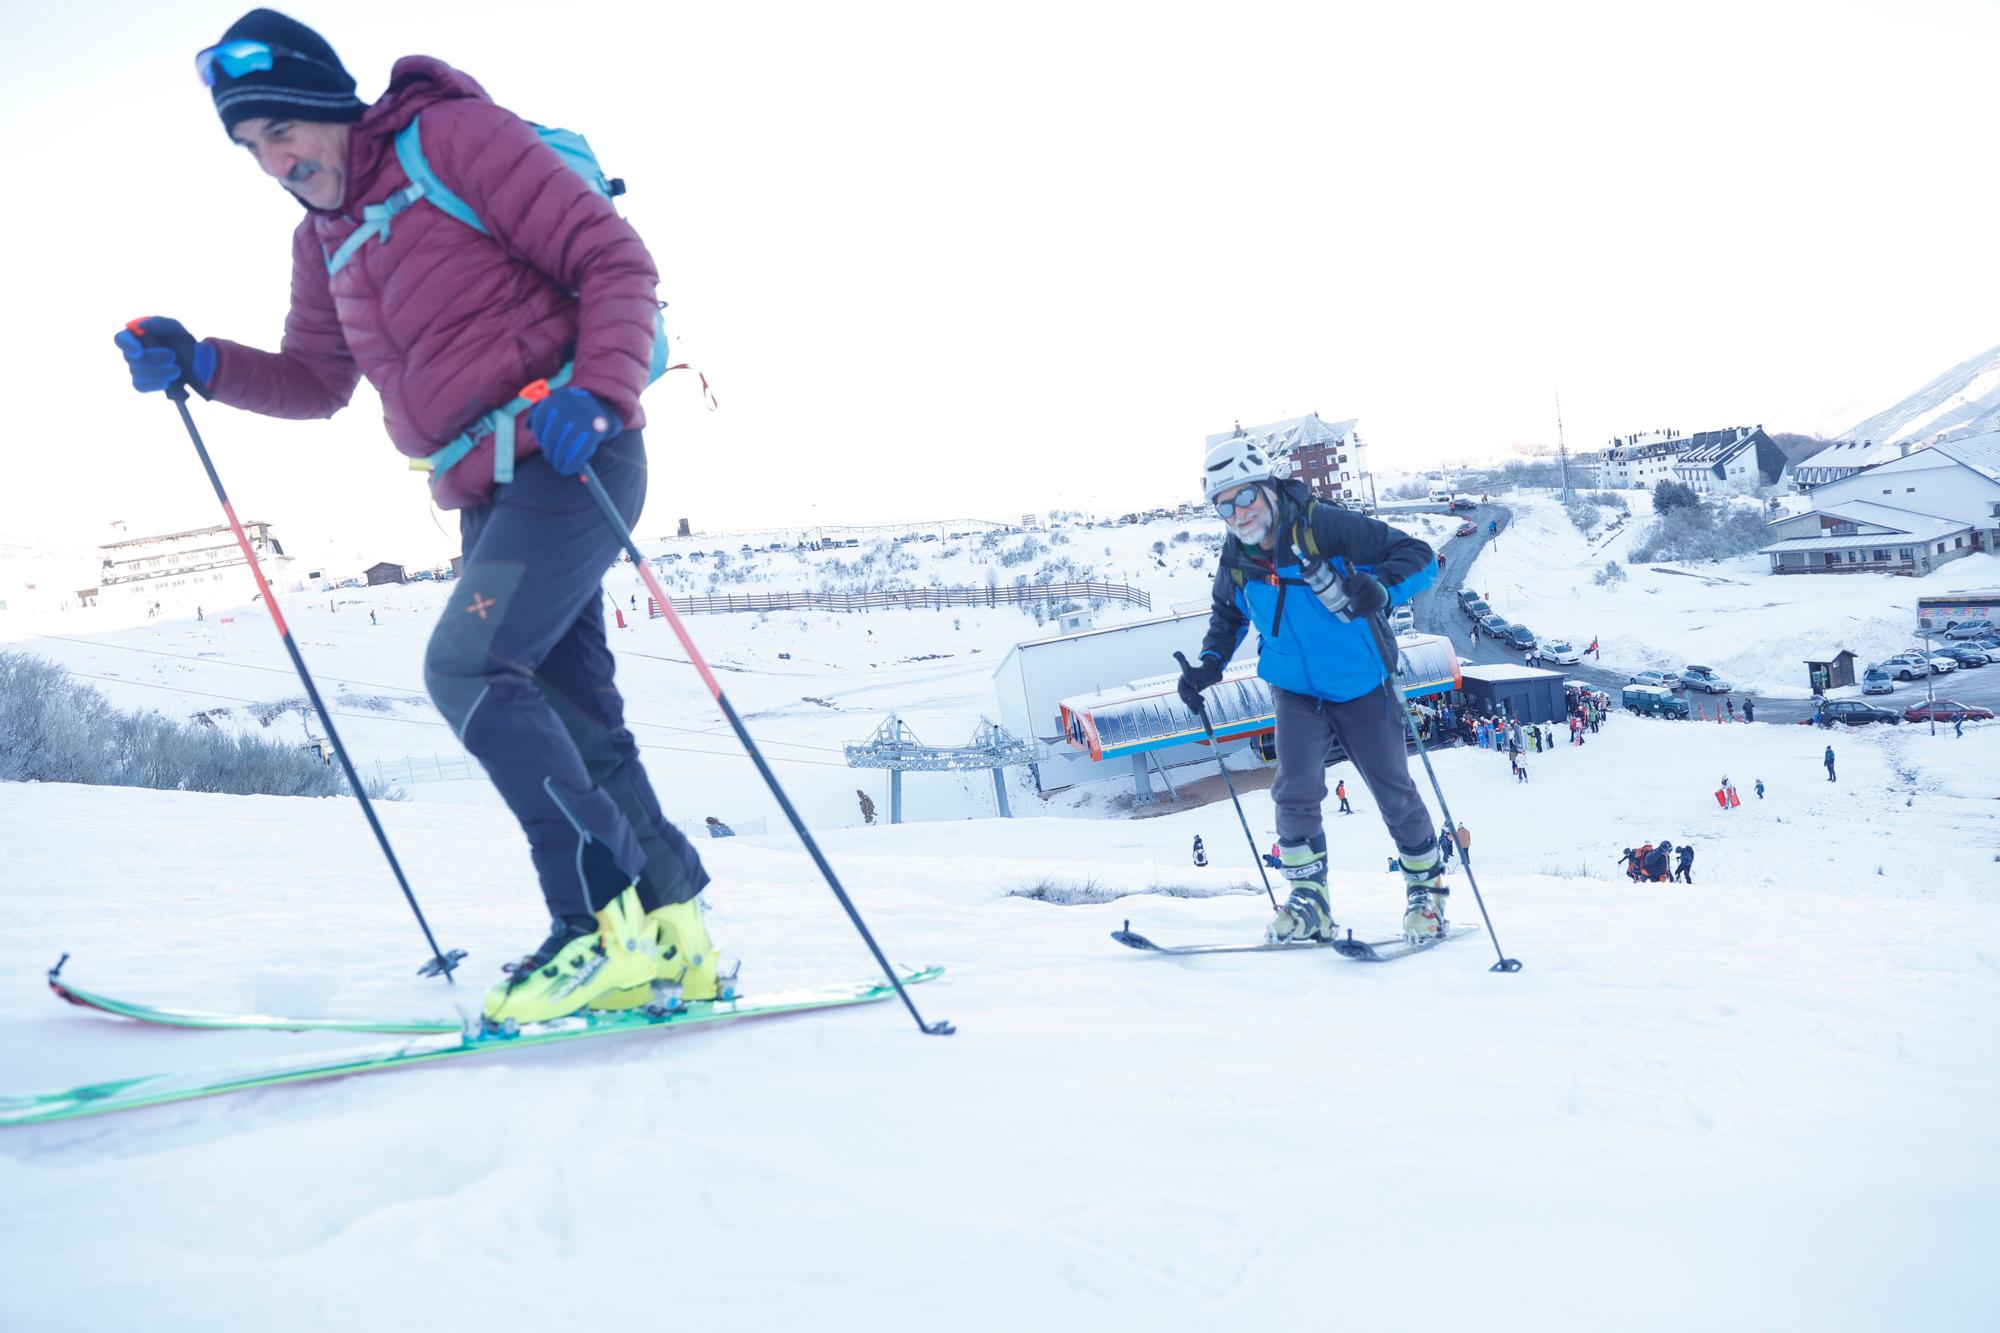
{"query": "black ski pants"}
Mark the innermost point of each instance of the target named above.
(1370, 730)
(520, 668)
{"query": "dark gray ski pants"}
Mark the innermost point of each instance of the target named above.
(1370, 730)
(519, 666)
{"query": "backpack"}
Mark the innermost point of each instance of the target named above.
(576, 154)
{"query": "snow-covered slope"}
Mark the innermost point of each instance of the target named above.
(1963, 401)
(1753, 628)
(1764, 1101)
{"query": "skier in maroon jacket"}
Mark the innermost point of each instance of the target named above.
(460, 330)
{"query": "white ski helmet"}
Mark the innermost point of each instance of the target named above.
(1237, 460)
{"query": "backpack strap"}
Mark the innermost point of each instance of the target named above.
(500, 424)
(410, 152)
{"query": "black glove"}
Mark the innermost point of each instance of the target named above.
(1365, 595)
(1195, 679)
(161, 352)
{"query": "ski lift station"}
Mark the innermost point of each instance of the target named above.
(1102, 703)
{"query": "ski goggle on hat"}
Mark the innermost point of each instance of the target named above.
(244, 55)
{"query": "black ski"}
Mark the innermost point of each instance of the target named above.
(1360, 951)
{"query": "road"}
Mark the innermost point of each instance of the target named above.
(1437, 613)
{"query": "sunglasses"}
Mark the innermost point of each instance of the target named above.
(243, 56)
(1227, 505)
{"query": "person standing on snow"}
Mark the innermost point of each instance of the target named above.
(1340, 790)
(1659, 862)
(1200, 854)
(1760, 789)
(1828, 761)
(1749, 710)
(551, 302)
(1684, 863)
(1316, 580)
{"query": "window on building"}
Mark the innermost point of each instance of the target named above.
(1957, 542)
(1909, 490)
(1940, 549)
(1904, 553)
(1879, 555)
(1853, 557)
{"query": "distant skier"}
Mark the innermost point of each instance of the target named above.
(1200, 856)
(1316, 580)
(1445, 849)
(1684, 864)
(371, 617)
(1828, 761)
(718, 829)
(1272, 859)
(533, 323)
(1340, 790)
(1749, 710)
(1659, 862)
(1732, 709)
(1630, 860)
(1760, 789)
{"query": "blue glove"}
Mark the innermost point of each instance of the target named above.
(160, 353)
(569, 424)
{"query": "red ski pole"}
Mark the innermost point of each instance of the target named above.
(941, 1028)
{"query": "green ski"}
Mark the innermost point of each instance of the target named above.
(432, 1040)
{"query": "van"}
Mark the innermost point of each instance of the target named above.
(1440, 497)
(1402, 620)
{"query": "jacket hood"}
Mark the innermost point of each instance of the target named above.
(415, 83)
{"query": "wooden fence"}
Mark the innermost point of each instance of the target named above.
(932, 598)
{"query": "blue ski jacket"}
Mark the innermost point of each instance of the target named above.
(1304, 647)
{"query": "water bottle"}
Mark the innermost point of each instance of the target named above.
(1326, 587)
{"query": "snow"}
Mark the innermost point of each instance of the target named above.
(1766, 1100)
(1753, 627)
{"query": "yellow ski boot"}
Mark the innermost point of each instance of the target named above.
(582, 960)
(685, 962)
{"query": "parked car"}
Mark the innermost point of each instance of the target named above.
(1947, 710)
(1463, 502)
(1493, 624)
(422, 576)
(1855, 713)
(1907, 666)
(1521, 637)
(1476, 608)
(1466, 597)
(1970, 629)
(1402, 620)
(1652, 679)
(1652, 701)
(1966, 655)
(1561, 651)
(1704, 679)
(1941, 665)
(1877, 681)
(1465, 530)
(1988, 644)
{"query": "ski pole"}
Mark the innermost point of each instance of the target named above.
(1201, 711)
(1460, 836)
(941, 1028)
(441, 963)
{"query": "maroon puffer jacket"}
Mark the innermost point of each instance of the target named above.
(448, 324)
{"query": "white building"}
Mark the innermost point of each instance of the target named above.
(1841, 459)
(1910, 514)
(1739, 460)
(1639, 461)
(182, 569)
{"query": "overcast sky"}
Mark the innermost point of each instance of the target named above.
(946, 260)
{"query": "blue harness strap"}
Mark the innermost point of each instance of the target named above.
(500, 424)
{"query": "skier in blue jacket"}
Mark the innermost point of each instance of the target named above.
(1316, 581)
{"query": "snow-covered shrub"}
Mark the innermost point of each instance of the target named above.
(1022, 554)
(1613, 572)
(1700, 532)
(1584, 514)
(53, 729)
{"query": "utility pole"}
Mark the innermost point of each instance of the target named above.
(1562, 449)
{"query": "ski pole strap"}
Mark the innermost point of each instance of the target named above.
(499, 423)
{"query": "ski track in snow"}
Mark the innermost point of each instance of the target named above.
(1764, 1101)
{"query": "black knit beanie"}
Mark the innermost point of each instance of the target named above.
(306, 80)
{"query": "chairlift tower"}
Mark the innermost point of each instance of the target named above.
(895, 747)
